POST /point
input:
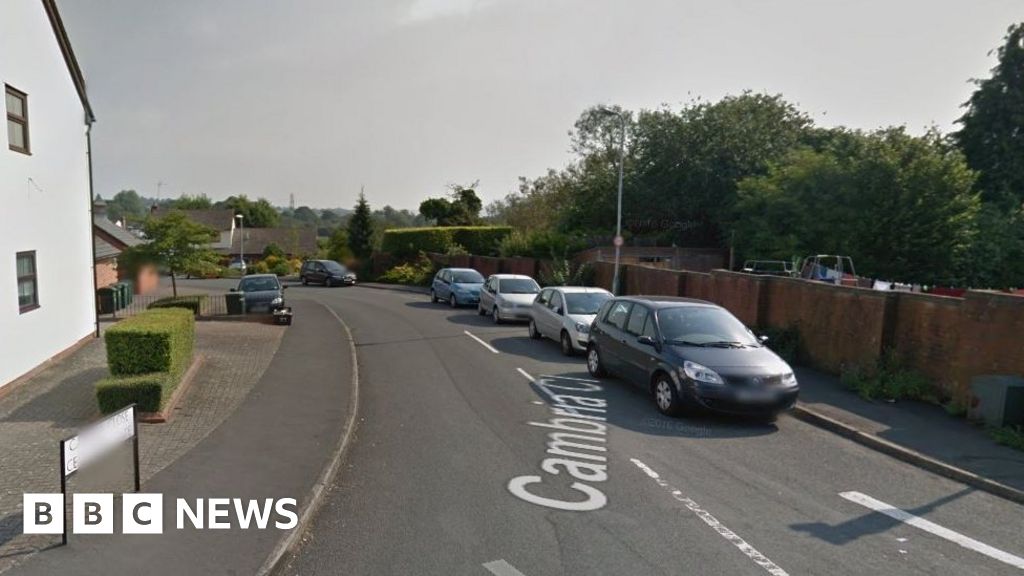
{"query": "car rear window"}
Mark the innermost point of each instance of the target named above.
(259, 284)
(585, 302)
(467, 277)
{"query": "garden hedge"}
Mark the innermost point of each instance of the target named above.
(479, 240)
(147, 355)
(193, 303)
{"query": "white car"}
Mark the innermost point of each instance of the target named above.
(565, 314)
(507, 297)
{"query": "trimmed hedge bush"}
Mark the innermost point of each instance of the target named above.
(479, 240)
(145, 390)
(147, 355)
(193, 303)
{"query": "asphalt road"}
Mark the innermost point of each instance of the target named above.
(446, 425)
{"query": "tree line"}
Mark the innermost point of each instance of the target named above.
(754, 173)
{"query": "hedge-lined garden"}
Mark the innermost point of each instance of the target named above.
(408, 242)
(147, 355)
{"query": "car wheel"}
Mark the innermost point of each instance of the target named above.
(534, 334)
(594, 364)
(496, 315)
(304, 281)
(433, 296)
(328, 283)
(665, 396)
(453, 302)
(566, 343)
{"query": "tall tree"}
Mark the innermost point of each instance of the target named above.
(258, 214)
(360, 229)
(197, 202)
(174, 242)
(126, 206)
(992, 128)
(462, 209)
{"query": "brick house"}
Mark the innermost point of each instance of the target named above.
(110, 241)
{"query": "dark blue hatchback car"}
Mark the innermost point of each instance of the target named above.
(690, 354)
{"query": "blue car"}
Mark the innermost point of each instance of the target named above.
(457, 287)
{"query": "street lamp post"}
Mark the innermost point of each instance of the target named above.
(241, 239)
(618, 214)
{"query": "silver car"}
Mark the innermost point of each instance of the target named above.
(565, 314)
(507, 297)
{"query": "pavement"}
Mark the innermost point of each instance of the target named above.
(274, 439)
(457, 417)
(924, 428)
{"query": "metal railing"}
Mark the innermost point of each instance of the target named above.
(113, 306)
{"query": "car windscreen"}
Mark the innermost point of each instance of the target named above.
(518, 286)
(467, 277)
(333, 266)
(703, 325)
(259, 284)
(585, 302)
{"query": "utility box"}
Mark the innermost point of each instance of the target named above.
(997, 400)
(235, 302)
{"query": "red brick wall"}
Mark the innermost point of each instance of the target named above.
(925, 333)
(739, 293)
(485, 265)
(652, 281)
(990, 330)
(527, 266)
(106, 273)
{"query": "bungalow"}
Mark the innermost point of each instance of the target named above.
(111, 240)
(221, 221)
(46, 251)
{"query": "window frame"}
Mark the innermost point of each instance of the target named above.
(629, 321)
(34, 277)
(607, 315)
(22, 120)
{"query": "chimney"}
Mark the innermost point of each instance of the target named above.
(99, 208)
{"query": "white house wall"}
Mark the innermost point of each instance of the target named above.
(44, 198)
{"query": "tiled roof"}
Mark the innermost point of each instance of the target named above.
(119, 234)
(294, 241)
(104, 249)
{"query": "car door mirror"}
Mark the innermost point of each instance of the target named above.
(560, 311)
(284, 287)
(234, 290)
(646, 340)
(762, 339)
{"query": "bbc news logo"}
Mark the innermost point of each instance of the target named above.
(144, 513)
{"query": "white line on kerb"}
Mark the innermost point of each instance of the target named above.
(502, 568)
(526, 374)
(751, 552)
(933, 528)
(482, 343)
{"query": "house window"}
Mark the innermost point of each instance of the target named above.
(17, 120)
(28, 286)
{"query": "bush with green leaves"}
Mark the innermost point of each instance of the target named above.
(478, 240)
(889, 379)
(417, 273)
(566, 273)
(193, 303)
(1012, 436)
(539, 244)
(145, 352)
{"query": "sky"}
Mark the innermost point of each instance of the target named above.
(318, 98)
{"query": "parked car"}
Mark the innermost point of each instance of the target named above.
(237, 264)
(507, 297)
(326, 272)
(690, 354)
(565, 314)
(456, 286)
(263, 293)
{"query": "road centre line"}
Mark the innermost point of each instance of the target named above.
(482, 343)
(751, 552)
(502, 568)
(933, 528)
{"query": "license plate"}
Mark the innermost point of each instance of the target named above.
(755, 395)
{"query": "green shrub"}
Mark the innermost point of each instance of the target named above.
(282, 268)
(418, 273)
(539, 244)
(888, 380)
(158, 340)
(479, 240)
(1012, 436)
(457, 249)
(145, 390)
(230, 273)
(193, 303)
(147, 355)
(783, 341)
(565, 273)
(272, 249)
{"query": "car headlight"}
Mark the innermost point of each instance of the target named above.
(701, 373)
(277, 301)
(582, 328)
(789, 380)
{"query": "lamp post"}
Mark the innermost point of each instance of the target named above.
(618, 214)
(241, 239)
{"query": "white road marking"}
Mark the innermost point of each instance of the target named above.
(933, 528)
(482, 343)
(751, 552)
(569, 410)
(502, 568)
(526, 374)
(570, 378)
